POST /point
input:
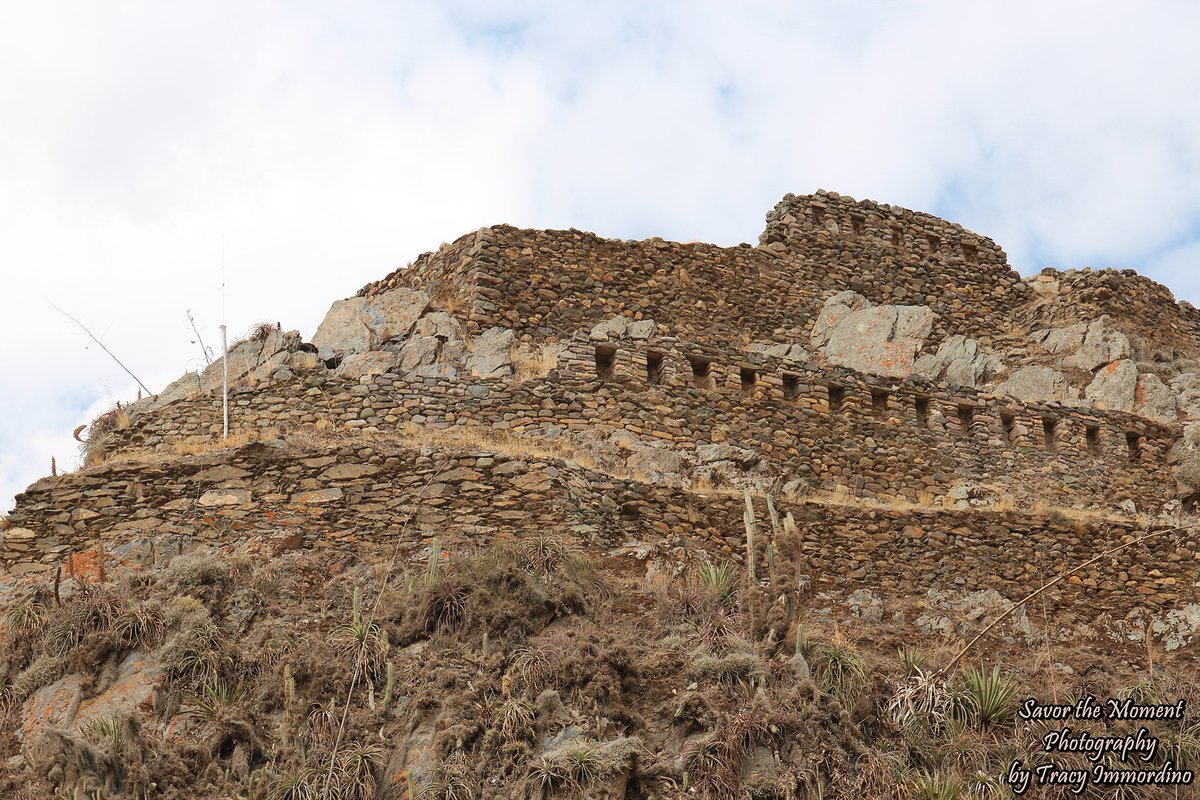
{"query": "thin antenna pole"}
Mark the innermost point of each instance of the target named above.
(224, 352)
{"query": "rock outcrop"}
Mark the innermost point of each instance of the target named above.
(878, 340)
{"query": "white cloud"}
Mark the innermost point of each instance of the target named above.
(330, 144)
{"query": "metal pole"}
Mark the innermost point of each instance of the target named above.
(225, 383)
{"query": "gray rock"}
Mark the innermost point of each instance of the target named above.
(417, 351)
(880, 340)
(741, 456)
(1184, 460)
(359, 324)
(787, 351)
(1086, 345)
(1187, 393)
(1038, 385)
(959, 361)
(642, 329)
(613, 328)
(1119, 387)
(376, 362)
(1102, 344)
(224, 497)
(491, 355)
(834, 312)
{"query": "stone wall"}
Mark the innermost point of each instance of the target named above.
(552, 283)
(879, 436)
(358, 496)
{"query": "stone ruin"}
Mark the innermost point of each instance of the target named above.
(914, 402)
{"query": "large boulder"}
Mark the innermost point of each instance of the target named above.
(1086, 345)
(1034, 384)
(1119, 387)
(360, 324)
(1184, 459)
(880, 340)
(491, 354)
(959, 361)
(1187, 393)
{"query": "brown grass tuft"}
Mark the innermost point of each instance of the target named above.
(261, 331)
(538, 361)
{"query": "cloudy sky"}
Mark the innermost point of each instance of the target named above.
(327, 144)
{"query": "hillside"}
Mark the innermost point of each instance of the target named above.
(549, 515)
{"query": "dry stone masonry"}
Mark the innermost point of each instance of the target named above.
(859, 351)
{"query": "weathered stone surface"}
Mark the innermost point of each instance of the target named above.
(960, 361)
(341, 472)
(375, 362)
(359, 324)
(318, 496)
(1186, 387)
(787, 351)
(641, 329)
(1119, 387)
(834, 312)
(613, 328)
(879, 340)
(1034, 384)
(1086, 345)
(224, 497)
(491, 355)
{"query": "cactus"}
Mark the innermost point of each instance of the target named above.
(357, 605)
(751, 524)
(801, 640)
(435, 555)
(389, 687)
(289, 687)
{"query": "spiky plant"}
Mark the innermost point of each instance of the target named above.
(139, 624)
(104, 729)
(211, 700)
(841, 672)
(992, 696)
(937, 786)
(547, 553)
(721, 584)
(25, 618)
(444, 604)
(912, 659)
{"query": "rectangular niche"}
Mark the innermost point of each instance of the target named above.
(837, 396)
(921, 407)
(858, 223)
(1008, 423)
(749, 381)
(791, 386)
(969, 252)
(1050, 433)
(1133, 443)
(965, 415)
(606, 361)
(879, 403)
(655, 367)
(1092, 435)
(935, 244)
(701, 372)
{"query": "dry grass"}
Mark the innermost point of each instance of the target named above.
(261, 331)
(538, 361)
(5, 523)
